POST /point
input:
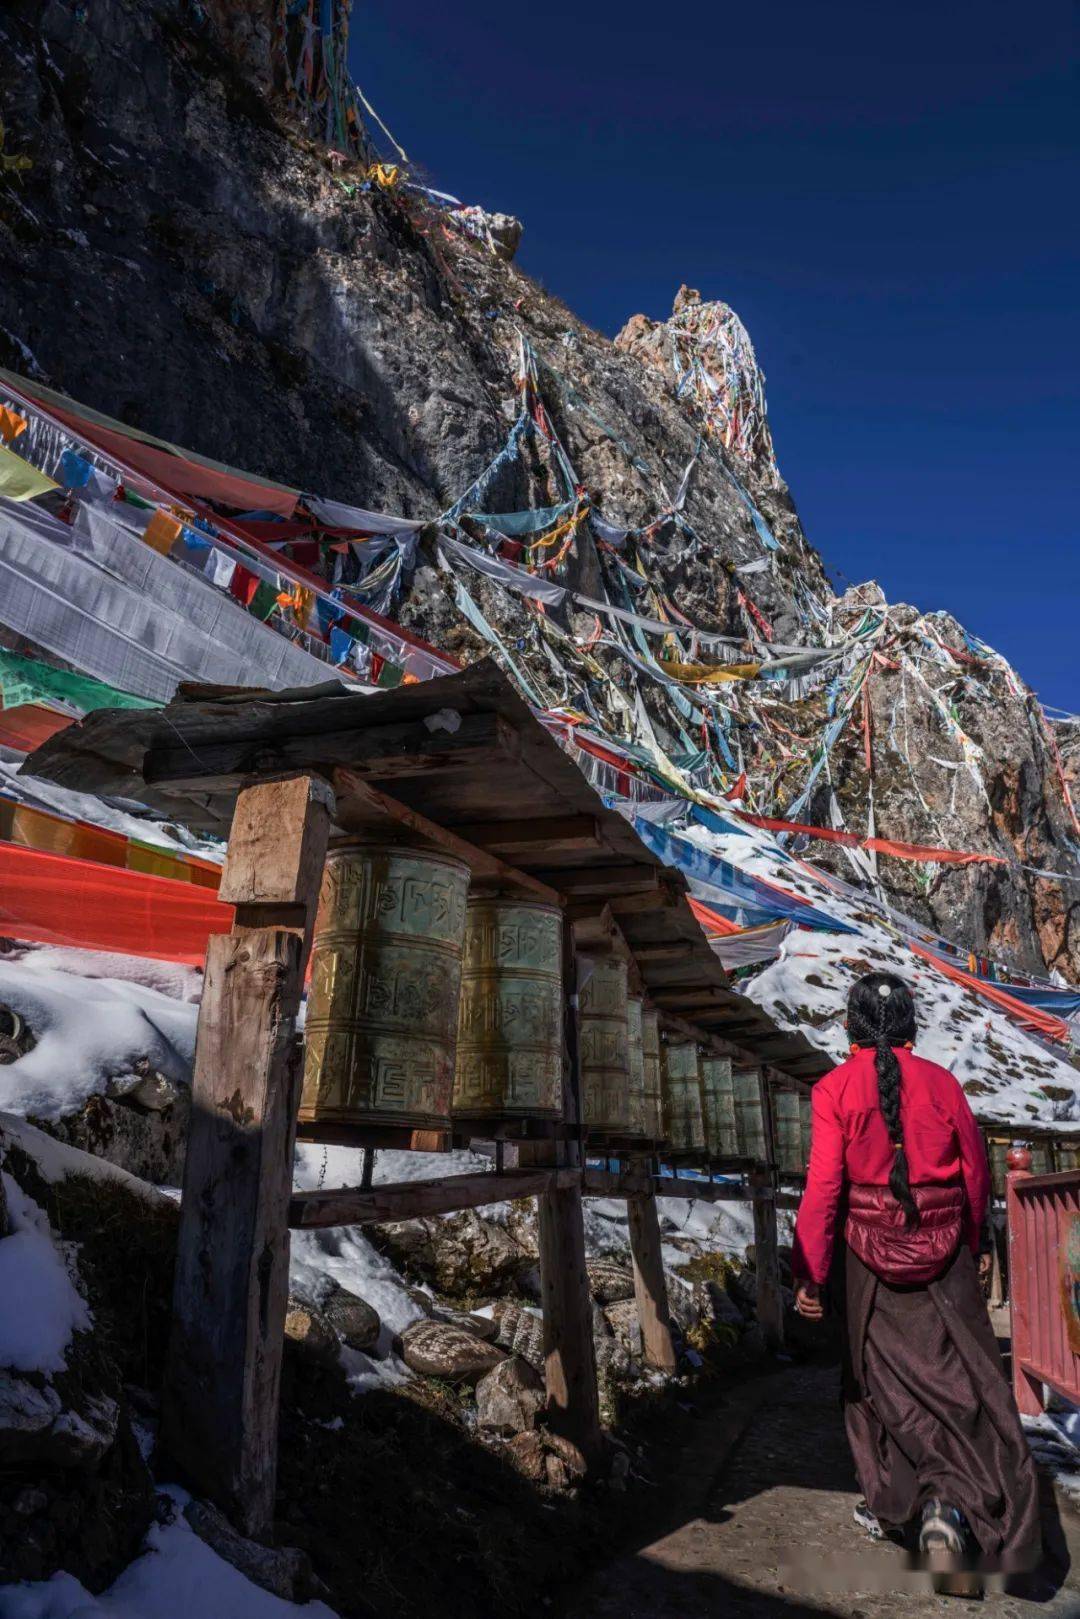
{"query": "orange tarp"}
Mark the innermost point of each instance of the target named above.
(54, 899)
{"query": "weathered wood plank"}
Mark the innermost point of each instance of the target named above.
(406, 1200)
(650, 1286)
(278, 747)
(360, 806)
(222, 1381)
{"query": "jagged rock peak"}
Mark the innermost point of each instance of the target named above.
(706, 351)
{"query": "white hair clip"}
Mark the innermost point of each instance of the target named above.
(884, 990)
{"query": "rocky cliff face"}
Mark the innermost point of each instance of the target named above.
(183, 257)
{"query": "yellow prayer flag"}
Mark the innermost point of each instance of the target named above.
(162, 532)
(703, 674)
(19, 480)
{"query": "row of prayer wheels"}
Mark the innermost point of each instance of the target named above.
(428, 1005)
(710, 1106)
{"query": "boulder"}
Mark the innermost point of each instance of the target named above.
(148, 1141)
(612, 1358)
(16, 1036)
(526, 1451)
(568, 1452)
(609, 1281)
(438, 1349)
(481, 1326)
(520, 1332)
(681, 1302)
(352, 1318)
(461, 1256)
(308, 1329)
(509, 1398)
(284, 1570)
(37, 1427)
(716, 1306)
(622, 1318)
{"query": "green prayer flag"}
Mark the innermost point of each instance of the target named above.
(25, 680)
(264, 601)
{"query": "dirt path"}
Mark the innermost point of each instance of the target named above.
(764, 1529)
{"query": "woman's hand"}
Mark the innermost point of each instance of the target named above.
(808, 1301)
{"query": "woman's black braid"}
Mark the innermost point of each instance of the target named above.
(881, 1013)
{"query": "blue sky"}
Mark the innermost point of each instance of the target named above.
(886, 195)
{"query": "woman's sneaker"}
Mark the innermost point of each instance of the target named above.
(943, 1529)
(866, 1520)
(945, 1543)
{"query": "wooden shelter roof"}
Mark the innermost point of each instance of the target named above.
(462, 761)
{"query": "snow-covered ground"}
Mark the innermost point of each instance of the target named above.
(1003, 1068)
(176, 1576)
(43, 1306)
(90, 1030)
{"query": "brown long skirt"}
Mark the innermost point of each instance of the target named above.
(929, 1411)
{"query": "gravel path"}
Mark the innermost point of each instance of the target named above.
(769, 1535)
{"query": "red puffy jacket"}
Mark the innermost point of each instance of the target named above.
(850, 1148)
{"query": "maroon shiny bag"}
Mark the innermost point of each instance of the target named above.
(905, 1255)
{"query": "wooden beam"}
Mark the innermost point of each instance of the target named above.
(650, 1286)
(662, 952)
(630, 1178)
(284, 741)
(770, 1300)
(222, 1379)
(665, 897)
(360, 805)
(688, 1000)
(608, 882)
(405, 1200)
(555, 834)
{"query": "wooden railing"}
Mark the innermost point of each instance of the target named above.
(1044, 1281)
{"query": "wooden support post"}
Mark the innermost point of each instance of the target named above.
(573, 1399)
(770, 1300)
(573, 1403)
(220, 1409)
(650, 1286)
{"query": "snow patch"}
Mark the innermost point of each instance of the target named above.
(176, 1576)
(88, 1031)
(42, 1306)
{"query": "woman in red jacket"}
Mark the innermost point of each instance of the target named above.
(898, 1163)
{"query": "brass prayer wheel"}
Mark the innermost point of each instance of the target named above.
(382, 1014)
(654, 1100)
(684, 1126)
(804, 1128)
(636, 1051)
(789, 1155)
(750, 1115)
(603, 1047)
(510, 1029)
(718, 1106)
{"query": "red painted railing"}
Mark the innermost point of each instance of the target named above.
(1044, 1282)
